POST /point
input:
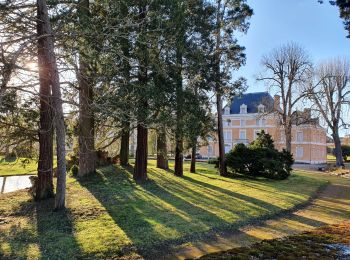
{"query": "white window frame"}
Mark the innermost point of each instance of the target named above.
(299, 152)
(227, 133)
(227, 145)
(210, 150)
(243, 109)
(300, 136)
(256, 132)
(243, 122)
(227, 110)
(245, 134)
(261, 108)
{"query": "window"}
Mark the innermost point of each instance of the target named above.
(261, 108)
(210, 150)
(227, 136)
(299, 152)
(242, 134)
(228, 148)
(210, 139)
(283, 137)
(300, 136)
(227, 122)
(257, 122)
(227, 111)
(256, 132)
(243, 109)
(263, 121)
(243, 122)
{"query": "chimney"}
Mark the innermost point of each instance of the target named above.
(276, 102)
(307, 113)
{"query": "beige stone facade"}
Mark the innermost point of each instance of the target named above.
(308, 140)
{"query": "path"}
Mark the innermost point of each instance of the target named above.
(330, 207)
(14, 183)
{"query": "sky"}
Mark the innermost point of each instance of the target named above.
(315, 27)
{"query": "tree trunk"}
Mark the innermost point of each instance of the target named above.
(162, 157)
(193, 159)
(222, 161)
(140, 171)
(87, 154)
(178, 171)
(337, 148)
(288, 133)
(124, 146)
(44, 185)
(179, 157)
(44, 28)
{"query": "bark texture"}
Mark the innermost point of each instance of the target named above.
(337, 147)
(124, 146)
(162, 158)
(87, 153)
(44, 185)
(44, 28)
(140, 171)
(222, 161)
(193, 159)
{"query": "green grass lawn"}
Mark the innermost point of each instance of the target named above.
(17, 167)
(110, 215)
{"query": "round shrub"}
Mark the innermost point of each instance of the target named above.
(260, 159)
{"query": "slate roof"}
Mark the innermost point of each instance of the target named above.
(252, 101)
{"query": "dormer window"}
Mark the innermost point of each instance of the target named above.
(243, 109)
(261, 108)
(227, 110)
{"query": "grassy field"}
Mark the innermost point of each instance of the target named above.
(17, 167)
(110, 215)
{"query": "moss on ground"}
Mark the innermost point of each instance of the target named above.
(322, 243)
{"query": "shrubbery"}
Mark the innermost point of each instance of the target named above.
(260, 158)
(214, 161)
(346, 152)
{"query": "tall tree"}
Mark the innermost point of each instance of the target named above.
(87, 155)
(287, 70)
(231, 16)
(330, 94)
(140, 171)
(48, 71)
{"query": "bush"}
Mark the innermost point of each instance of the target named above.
(260, 158)
(214, 161)
(74, 170)
(346, 152)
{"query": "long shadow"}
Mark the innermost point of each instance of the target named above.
(48, 234)
(151, 216)
(232, 194)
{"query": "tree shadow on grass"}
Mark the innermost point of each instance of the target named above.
(38, 232)
(151, 216)
(156, 215)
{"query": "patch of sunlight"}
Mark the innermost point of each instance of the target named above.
(33, 251)
(5, 248)
(162, 230)
(100, 234)
(264, 233)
